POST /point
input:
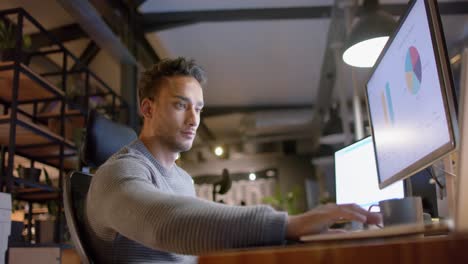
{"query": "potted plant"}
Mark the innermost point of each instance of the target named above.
(52, 205)
(75, 92)
(8, 43)
(45, 227)
(283, 202)
(17, 223)
(30, 174)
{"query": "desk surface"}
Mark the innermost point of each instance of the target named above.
(410, 250)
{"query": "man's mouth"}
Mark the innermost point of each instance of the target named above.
(189, 134)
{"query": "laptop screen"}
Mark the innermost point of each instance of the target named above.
(356, 176)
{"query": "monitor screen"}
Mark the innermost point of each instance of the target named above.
(409, 96)
(356, 176)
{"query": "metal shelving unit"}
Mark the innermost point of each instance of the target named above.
(25, 132)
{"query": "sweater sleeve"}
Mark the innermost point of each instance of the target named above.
(126, 201)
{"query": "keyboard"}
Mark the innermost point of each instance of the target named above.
(390, 231)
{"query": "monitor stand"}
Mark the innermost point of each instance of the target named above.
(447, 203)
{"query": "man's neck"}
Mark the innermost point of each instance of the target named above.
(160, 152)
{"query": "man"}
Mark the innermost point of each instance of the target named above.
(141, 207)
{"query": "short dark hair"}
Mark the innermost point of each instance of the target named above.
(152, 77)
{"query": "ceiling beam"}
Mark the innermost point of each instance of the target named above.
(169, 20)
(139, 2)
(155, 21)
(87, 56)
(92, 23)
(163, 26)
(64, 33)
(205, 133)
(445, 8)
(122, 18)
(223, 110)
(152, 21)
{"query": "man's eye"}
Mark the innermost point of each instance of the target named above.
(180, 105)
(199, 110)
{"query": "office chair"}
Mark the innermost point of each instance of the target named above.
(103, 138)
(75, 189)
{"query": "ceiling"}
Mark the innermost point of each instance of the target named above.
(264, 64)
(264, 73)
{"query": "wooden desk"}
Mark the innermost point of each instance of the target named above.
(446, 249)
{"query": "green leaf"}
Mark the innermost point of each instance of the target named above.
(47, 177)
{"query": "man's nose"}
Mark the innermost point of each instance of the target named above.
(193, 118)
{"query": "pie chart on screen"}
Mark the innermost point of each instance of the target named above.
(413, 70)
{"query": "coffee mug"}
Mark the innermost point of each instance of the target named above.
(406, 210)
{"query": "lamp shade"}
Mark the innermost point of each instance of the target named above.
(367, 38)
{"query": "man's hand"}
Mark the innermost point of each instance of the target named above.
(320, 218)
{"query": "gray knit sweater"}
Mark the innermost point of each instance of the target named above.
(139, 212)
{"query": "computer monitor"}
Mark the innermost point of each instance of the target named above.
(461, 214)
(410, 97)
(356, 176)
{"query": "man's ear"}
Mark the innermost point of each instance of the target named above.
(146, 108)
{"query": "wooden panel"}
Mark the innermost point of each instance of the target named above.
(28, 88)
(68, 163)
(72, 123)
(34, 191)
(447, 249)
(47, 150)
(69, 256)
(37, 255)
(38, 196)
(56, 114)
(25, 136)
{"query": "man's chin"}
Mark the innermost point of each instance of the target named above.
(184, 147)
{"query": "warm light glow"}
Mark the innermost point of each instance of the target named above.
(455, 59)
(270, 173)
(365, 53)
(252, 176)
(219, 151)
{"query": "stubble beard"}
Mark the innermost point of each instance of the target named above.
(178, 146)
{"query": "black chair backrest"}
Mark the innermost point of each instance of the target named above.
(103, 138)
(75, 189)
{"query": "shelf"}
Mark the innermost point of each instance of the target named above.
(27, 184)
(32, 87)
(69, 163)
(28, 133)
(74, 116)
(33, 192)
(38, 154)
(55, 114)
(36, 141)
